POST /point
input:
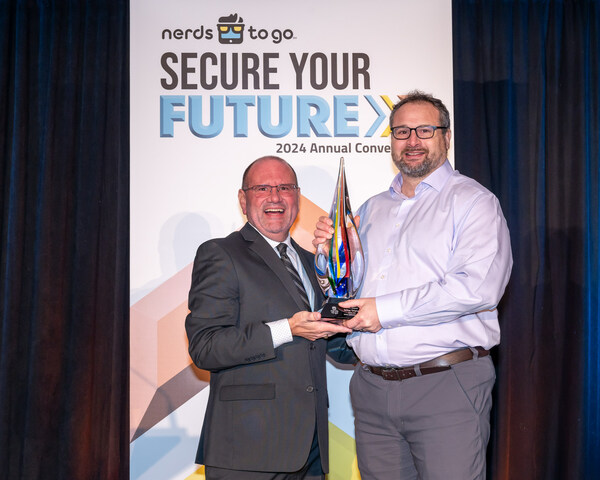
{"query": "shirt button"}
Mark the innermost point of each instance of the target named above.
(382, 277)
(310, 389)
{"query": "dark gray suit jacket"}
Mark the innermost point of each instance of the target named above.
(264, 402)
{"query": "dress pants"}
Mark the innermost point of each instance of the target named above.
(431, 427)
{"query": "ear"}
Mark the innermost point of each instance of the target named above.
(447, 137)
(242, 200)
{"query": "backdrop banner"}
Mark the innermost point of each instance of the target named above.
(215, 85)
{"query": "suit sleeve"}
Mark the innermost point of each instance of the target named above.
(217, 338)
(340, 351)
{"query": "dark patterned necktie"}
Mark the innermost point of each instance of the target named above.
(282, 249)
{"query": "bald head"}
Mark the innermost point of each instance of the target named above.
(261, 160)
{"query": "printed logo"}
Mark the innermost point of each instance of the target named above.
(231, 29)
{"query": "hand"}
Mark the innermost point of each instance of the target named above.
(367, 319)
(310, 326)
(324, 230)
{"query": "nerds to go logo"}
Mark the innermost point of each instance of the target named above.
(230, 30)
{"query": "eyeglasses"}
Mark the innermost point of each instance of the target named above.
(423, 132)
(265, 190)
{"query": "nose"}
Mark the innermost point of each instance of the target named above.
(413, 139)
(274, 193)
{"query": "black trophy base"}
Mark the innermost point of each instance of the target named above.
(333, 312)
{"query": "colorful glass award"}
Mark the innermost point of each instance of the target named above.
(339, 263)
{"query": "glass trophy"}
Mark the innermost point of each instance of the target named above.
(339, 263)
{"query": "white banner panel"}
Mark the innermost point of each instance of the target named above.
(215, 85)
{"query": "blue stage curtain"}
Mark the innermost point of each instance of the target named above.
(64, 206)
(527, 125)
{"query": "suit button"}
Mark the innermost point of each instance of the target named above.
(312, 346)
(310, 389)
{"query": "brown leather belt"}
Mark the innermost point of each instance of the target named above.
(438, 364)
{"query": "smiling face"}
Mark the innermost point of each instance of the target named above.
(416, 158)
(273, 214)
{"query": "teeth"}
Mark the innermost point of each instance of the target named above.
(274, 210)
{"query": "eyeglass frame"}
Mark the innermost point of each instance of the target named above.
(410, 130)
(293, 187)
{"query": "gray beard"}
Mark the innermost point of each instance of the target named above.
(418, 171)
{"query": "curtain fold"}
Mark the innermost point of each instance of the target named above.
(526, 89)
(64, 120)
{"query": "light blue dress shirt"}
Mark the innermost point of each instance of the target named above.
(437, 264)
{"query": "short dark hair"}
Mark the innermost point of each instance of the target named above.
(416, 96)
(272, 157)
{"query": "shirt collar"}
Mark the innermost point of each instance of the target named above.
(274, 243)
(435, 179)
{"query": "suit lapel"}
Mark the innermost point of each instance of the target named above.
(261, 248)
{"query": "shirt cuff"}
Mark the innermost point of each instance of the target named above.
(387, 310)
(280, 332)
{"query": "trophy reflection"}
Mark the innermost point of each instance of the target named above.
(339, 263)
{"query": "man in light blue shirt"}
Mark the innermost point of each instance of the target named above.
(438, 259)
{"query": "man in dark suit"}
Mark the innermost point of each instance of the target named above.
(250, 325)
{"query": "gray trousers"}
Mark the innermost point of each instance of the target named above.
(430, 427)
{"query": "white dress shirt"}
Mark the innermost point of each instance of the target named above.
(437, 264)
